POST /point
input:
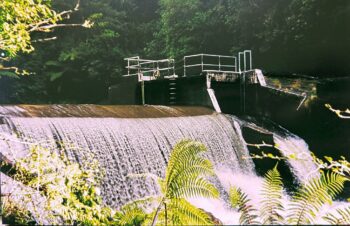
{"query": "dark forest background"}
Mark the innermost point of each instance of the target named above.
(308, 37)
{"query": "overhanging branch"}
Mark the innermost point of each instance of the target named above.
(46, 25)
(345, 114)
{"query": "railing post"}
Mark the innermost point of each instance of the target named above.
(157, 69)
(128, 67)
(184, 66)
(219, 63)
(246, 58)
(202, 61)
(168, 67)
(240, 54)
(143, 92)
(251, 60)
(138, 66)
(235, 64)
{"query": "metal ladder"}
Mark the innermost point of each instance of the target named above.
(172, 91)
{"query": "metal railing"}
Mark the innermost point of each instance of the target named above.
(211, 67)
(149, 69)
(245, 58)
(230, 64)
(209, 63)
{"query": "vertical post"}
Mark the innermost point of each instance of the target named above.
(128, 66)
(244, 61)
(157, 70)
(246, 58)
(239, 63)
(168, 67)
(240, 55)
(202, 61)
(138, 66)
(251, 60)
(219, 63)
(184, 66)
(235, 59)
(143, 92)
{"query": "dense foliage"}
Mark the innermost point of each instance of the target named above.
(186, 176)
(71, 192)
(18, 19)
(72, 195)
(291, 36)
(302, 209)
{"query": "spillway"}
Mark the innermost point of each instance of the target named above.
(125, 146)
(133, 140)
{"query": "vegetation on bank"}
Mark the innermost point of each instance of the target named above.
(82, 63)
(303, 207)
(290, 36)
(72, 194)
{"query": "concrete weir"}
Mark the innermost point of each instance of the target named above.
(102, 111)
(227, 84)
(122, 145)
(128, 140)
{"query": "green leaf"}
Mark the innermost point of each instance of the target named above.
(272, 207)
(239, 200)
(270, 155)
(8, 74)
(329, 159)
(55, 75)
(312, 195)
(292, 156)
(52, 63)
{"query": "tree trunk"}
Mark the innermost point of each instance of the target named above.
(157, 212)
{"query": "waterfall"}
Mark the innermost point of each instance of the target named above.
(125, 146)
(302, 165)
(130, 146)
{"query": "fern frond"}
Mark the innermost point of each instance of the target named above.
(180, 212)
(185, 177)
(130, 215)
(312, 195)
(196, 187)
(335, 183)
(184, 213)
(142, 203)
(193, 167)
(186, 172)
(272, 198)
(183, 152)
(239, 200)
(343, 217)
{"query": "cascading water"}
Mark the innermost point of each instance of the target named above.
(132, 146)
(142, 145)
(301, 163)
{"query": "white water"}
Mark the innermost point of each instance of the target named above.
(251, 185)
(126, 146)
(302, 164)
(129, 146)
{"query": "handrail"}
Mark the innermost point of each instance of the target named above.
(240, 64)
(213, 55)
(149, 69)
(204, 65)
(244, 57)
(222, 65)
